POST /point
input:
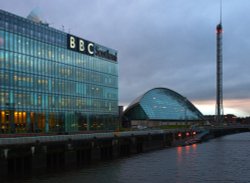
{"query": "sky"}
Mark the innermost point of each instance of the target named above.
(162, 43)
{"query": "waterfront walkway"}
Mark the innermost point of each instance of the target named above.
(46, 138)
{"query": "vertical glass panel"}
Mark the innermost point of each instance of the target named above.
(2, 39)
(6, 40)
(1, 59)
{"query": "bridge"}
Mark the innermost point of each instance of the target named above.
(217, 131)
(20, 153)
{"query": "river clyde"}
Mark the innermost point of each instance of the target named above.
(225, 159)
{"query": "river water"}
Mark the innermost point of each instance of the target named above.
(225, 159)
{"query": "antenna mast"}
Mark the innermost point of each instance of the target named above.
(219, 71)
(221, 11)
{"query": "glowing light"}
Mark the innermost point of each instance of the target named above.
(194, 133)
(187, 134)
(194, 146)
(3, 115)
(179, 135)
(218, 31)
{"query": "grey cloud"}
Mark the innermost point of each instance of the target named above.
(160, 42)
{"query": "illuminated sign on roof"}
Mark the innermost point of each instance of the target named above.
(86, 47)
(80, 45)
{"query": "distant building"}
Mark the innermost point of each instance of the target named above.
(120, 115)
(210, 118)
(228, 118)
(51, 81)
(162, 106)
(245, 120)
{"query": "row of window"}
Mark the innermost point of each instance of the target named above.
(34, 30)
(27, 64)
(26, 100)
(42, 32)
(23, 122)
(32, 48)
(33, 83)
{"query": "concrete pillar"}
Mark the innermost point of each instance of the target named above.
(95, 151)
(70, 156)
(5, 153)
(3, 167)
(32, 148)
(115, 148)
(39, 161)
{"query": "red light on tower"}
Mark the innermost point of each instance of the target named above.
(194, 133)
(179, 135)
(187, 134)
(219, 29)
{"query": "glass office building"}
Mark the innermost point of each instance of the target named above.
(162, 104)
(51, 81)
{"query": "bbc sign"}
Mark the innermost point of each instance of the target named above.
(80, 45)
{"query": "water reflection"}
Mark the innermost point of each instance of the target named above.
(184, 151)
(224, 159)
(194, 146)
(187, 148)
(179, 154)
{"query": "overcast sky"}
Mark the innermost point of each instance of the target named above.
(162, 43)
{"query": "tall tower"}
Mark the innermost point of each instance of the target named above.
(219, 71)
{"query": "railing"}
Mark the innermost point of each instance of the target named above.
(61, 138)
(233, 126)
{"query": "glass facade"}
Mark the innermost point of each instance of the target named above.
(45, 87)
(162, 104)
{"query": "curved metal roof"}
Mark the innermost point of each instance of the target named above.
(165, 104)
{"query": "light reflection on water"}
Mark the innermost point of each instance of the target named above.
(225, 159)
